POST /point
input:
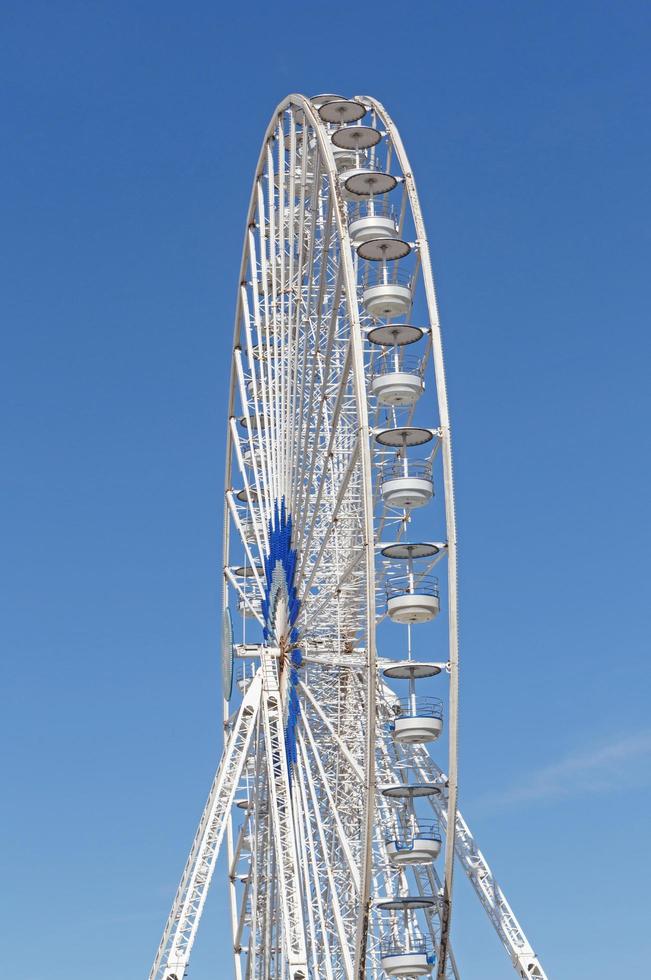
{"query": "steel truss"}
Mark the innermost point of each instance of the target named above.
(183, 921)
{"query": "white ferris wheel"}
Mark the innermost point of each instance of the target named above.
(333, 797)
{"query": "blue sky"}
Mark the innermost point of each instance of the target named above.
(130, 133)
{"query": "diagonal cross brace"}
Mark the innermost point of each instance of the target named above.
(183, 921)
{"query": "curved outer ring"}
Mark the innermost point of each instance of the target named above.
(357, 358)
(446, 451)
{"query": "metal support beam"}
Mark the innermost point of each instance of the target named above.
(180, 930)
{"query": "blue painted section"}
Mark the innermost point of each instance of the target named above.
(283, 556)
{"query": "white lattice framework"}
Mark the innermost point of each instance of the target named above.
(303, 795)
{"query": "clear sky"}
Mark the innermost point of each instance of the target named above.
(130, 132)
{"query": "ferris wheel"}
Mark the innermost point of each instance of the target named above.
(336, 795)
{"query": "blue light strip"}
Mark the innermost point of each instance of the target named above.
(282, 559)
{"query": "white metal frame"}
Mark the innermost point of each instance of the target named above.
(299, 793)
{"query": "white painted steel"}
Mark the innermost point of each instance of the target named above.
(321, 779)
(181, 927)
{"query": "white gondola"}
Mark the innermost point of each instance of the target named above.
(370, 220)
(398, 388)
(397, 378)
(422, 852)
(388, 294)
(407, 484)
(408, 960)
(416, 844)
(417, 720)
(412, 598)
